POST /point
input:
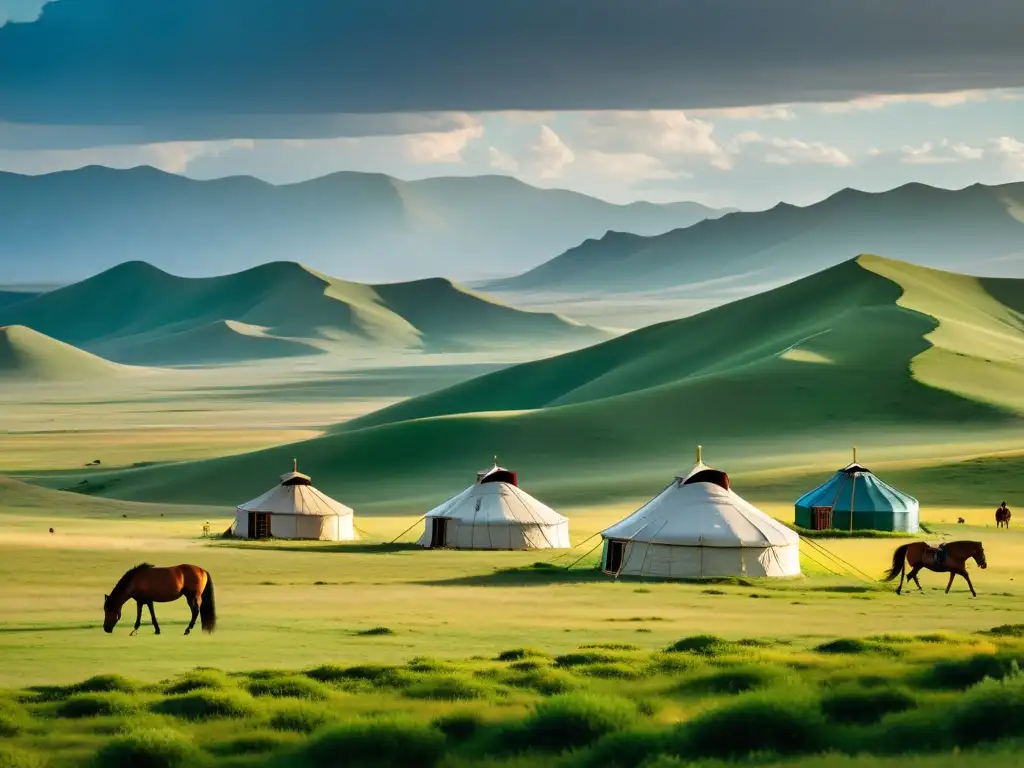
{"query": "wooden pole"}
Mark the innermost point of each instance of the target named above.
(853, 496)
(699, 459)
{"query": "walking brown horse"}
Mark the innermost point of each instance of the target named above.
(147, 584)
(949, 558)
(1003, 516)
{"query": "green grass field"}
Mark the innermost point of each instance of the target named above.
(389, 654)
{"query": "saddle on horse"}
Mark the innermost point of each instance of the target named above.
(934, 556)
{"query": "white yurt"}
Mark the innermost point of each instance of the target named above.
(699, 528)
(294, 509)
(494, 513)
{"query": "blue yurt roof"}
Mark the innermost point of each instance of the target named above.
(872, 495)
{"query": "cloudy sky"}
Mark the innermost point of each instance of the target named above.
(737, 102)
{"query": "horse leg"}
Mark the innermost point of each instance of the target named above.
(152, 615)
(193, 603)
(903, 572)
(913, 575)
(952, 575)
(138, 617)
(968, 579)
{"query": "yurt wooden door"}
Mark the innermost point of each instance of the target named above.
(822, 518)
(259, 525)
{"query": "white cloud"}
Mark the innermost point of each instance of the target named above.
(1010, 148)
(442, 146)
(550, 155)
(668, 135)
(502, 161)
(770, 112)
(878, 101)
(779, 151)
(930, 153)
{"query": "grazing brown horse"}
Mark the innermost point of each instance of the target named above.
(146, 584)
(1003, 516)
(948, 558)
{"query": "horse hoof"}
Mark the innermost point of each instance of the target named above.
(187, 631)
(132, 633)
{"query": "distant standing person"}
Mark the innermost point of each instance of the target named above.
(1003, 516)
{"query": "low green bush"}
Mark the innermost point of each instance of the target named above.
(198, 680)
(851, 704)
(740, 679)
(300, 717)
(97, 705)
(575, 720)
(149, 748)
(449, 688)
(703, 645)
(205, 704)
(384, 743)
(293, 687)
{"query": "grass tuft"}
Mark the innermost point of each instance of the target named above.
(149, 748)
(198, 680)
(14, 718)
(519, 654)
(300, 717)
(204, 705)
(293, 687)
(258, 743)
(449, 688)
(702, 645)
(864, 706)
(98, 705)
(575, 720)
(732, 680)
(384, 743)
(784, 725)
(376, 632)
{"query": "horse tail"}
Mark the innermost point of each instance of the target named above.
(899, 561)
(207, 608)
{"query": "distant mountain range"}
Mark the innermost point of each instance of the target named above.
(978, 229)
(66, 226)
(137, 314)
(873, 348)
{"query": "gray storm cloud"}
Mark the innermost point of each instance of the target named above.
(191, 69)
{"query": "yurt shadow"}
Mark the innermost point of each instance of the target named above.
(312, 547)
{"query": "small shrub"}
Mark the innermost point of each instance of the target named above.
(376, 632)
(12, 757)
(958, 674)
(386, 743)
(203, 705)
(518, 654)
(252, 744)
(528, 665)
(1007, 630)
(327, 673)
(989, 711)
(97, 705)
(299, 717)
(732, 680)
(575, 720)
(198, 680)
(610, 647)
(702, 645)
(612, 671)
(106, 684)
(675, 664)
(459, 726)
(149, 748)
(289, 687)
(579, 658)
(624, 749)
(755, 723)
(377, 674)
(864, 705)
(425, 664)
(14, 719)
(545, 681)
(854, 645)
(449, 688)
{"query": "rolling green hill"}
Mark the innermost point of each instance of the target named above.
(30, 356)
(366, 226)
(874, 352)
(136, 313)
(978, 228)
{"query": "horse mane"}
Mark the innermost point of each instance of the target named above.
(128, 575)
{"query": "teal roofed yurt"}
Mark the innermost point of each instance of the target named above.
(875, 505)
